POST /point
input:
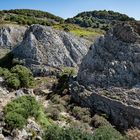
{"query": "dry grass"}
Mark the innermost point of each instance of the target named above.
(133, 134)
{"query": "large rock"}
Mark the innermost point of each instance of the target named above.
(114, 60)
(109, 77)
(44, 46)
(11, 35)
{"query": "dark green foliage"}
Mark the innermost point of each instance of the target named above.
(5, 73)
(18, 111)
(81, 113)
(14, 120)
(18, 76)
(13, 82)
(28, 17)
(102, 133)
(24, 74)
(58, 133)
(98, 19)
(107, 133)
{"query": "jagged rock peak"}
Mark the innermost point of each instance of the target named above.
(11, 35)
(114, 59)
(44, 46)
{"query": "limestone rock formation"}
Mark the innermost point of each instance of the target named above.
(11, 35)
(114, 60)
(43, 46)
(109, 77)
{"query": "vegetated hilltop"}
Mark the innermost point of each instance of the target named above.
(98, 19)
(28, 17)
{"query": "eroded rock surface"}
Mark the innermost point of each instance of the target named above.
(44, 46)
(11, 35)
(109, 77)
(114, 60)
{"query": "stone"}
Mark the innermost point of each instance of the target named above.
(2, 137)
(109, 76)
(114, 59)
(1, 80)
(11, 35)
(3, 91)
(19, 93)
(44, 47)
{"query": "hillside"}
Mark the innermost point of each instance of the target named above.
(55, 85)
(98, 19)
(28, 17)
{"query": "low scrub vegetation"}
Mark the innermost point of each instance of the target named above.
(102, 133)
(17, 111)
(18, 76)
(79, 31)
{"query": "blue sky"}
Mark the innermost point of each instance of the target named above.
(69, 8)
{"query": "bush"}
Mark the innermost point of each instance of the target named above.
(18, 76)
(58, 133)
(14, 120)
(53, 112)
(98, 121)
(13, 82)
(107, 133)
(81, 113)
(24, 74)
(81, 126)
(5, 72)
(23, 107)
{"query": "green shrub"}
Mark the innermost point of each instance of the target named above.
(80, 125)
(81, 113)
(14, 120)
(58, 133)
(107, 133)
(53, 112)
(103, 133)
(98, 121)
(13, 82)
(5, 72)
(70, 71)
(18, 76)
(24, 74)
(23, 107)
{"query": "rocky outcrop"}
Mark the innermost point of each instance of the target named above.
(109, 76)
(121, 106)
(11, 35)
(114, 60)
(43, 46)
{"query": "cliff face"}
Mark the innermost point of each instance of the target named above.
(114, 60)
(43, 46)
(109, 76)
(11, 35)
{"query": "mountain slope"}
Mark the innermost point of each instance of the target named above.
(28, 17)
(98, 19)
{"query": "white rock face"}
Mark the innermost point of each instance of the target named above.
(11, 35)
(114, 60)
(44, 46)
